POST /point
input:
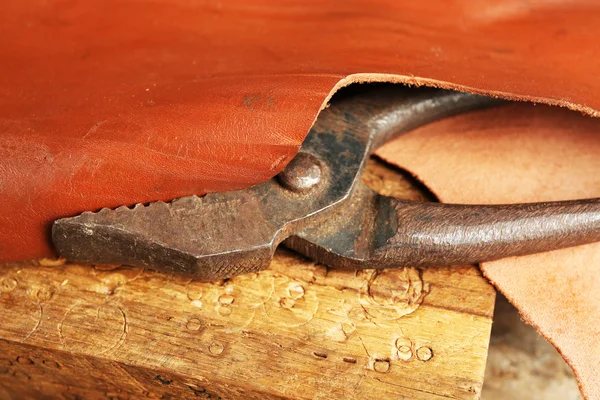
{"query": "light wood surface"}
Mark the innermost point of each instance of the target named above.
(297, 331)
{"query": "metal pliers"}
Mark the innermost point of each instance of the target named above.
(319, 206)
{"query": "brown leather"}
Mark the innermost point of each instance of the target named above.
(525, 153)
(115, 102)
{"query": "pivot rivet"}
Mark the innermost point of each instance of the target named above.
(302, 173)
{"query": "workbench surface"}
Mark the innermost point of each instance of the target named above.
(297, 330)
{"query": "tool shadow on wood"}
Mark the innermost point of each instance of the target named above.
(296, 330)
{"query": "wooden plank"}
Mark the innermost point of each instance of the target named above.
(295, 331)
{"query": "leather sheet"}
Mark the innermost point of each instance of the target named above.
(524, 153)
(111, 102)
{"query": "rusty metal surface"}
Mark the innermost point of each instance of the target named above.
(302, 173)
(320, 207)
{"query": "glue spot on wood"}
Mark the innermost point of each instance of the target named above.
(286, 310)
(404, 353)
(8, 284)
(295, 291)
(194, 293)
(424, 353)
(403, 342)
(404, 346)
(226, 299)
(42, 293)
(286, 302)
(216, 348)
(194, 324)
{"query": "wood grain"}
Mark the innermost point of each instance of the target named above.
(295, 331)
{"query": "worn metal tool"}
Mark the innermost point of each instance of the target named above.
(319, 206)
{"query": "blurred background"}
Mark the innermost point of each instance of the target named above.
(522, 364)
